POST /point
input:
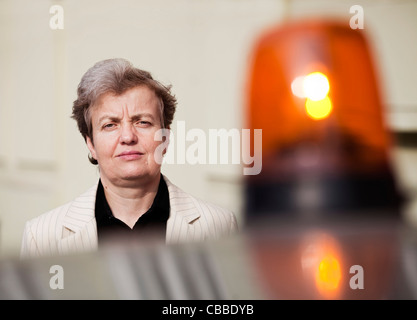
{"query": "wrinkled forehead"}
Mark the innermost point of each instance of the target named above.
(134, 101)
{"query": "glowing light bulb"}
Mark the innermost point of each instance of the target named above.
(315, 86)
(318, 110)
(297, 87)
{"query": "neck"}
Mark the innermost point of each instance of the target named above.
(129, 203)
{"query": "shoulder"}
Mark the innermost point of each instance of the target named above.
(40, 233)
(56, 216)
(52, 216)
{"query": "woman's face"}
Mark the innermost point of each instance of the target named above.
(123, 131)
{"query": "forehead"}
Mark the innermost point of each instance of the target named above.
(133, 101)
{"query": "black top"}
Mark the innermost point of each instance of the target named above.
(152, 221)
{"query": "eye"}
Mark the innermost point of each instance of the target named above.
(143, 123)
(108, 126)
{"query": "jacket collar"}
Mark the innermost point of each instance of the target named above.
(182, 204)
(81, 212)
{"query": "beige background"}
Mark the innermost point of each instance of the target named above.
(201, 47)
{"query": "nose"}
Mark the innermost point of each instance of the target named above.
(128, 134)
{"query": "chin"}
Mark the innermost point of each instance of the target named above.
(132, 176)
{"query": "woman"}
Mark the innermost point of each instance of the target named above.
(120, 110)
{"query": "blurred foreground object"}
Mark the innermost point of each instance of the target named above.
(313, 90)
(341, 259)
(135, 270)
(348, 259)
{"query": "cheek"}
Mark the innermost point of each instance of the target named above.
(104, 146)
(153, 149)
(149, 142)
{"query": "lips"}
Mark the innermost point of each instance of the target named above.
(130, 155)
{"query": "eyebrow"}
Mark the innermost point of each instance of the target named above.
(134, 117)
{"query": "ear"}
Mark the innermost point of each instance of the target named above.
(90, 147)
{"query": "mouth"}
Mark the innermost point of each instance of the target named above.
(130, 155)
